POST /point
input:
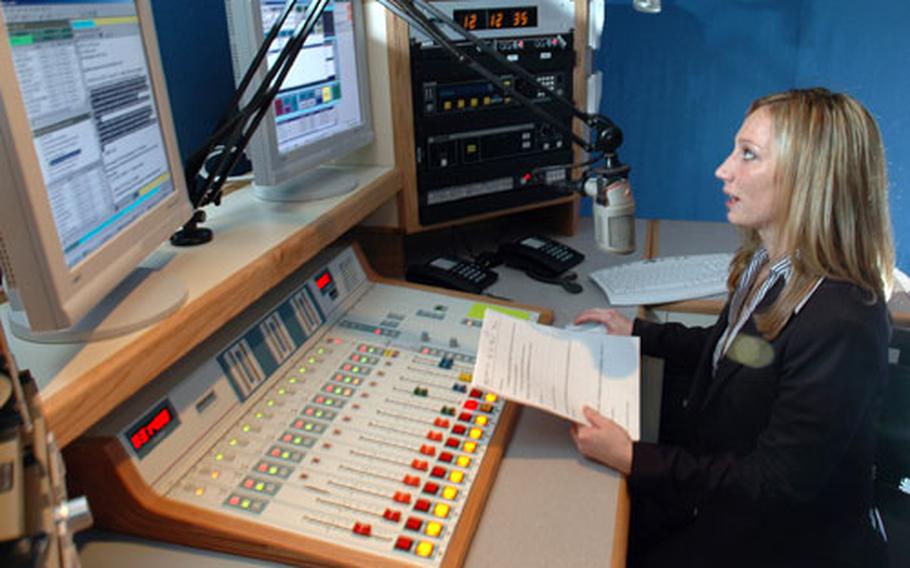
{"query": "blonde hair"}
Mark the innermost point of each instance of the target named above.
(831, 197)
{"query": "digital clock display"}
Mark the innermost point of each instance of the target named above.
(147, 432)
(497, 18)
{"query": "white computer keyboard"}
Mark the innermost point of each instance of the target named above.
(665, 279)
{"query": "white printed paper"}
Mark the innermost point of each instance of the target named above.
(560, 371)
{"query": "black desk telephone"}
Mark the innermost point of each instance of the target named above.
(539, 255)
(454, 273)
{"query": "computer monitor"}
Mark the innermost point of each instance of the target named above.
(92, 182)
(322, 110)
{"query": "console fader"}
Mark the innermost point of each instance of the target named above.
(335, 423)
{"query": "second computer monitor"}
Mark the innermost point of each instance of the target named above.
(322, 110)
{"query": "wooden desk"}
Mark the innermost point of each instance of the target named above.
(257, 244)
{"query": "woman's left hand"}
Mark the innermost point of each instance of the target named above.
(604, 441)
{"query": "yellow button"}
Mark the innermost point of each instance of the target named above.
(460, 103)
(216, 474)
(433, 528)
(465, 377)
(469, 447)
(491, 397)
(487, 100)
(447, 105)
(424, 548)
(449, 493)
(456, 476)
(474, 102)
(481, 420)
(475, 433)
(441, 510)
(200, 490)
(464, 461)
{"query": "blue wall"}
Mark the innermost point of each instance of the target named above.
(679, 82)
(193, 40)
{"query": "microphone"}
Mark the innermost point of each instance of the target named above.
(614, 213)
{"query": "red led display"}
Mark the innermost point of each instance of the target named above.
(145, 433)
(323, 280)
(496, 18)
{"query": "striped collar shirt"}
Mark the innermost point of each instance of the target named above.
(739, 313)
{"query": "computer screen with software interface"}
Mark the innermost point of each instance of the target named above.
(95, 183)
(322, 110)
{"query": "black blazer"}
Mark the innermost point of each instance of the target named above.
(777, 470)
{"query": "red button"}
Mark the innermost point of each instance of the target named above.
(435, 436)
(402, 497)
(459, 429)
(413, 523)
(420, 465)
(441, 422)
(446, 457)
(453, 442)
(465, 416)
(428, 450)
(438, 472)
(411, 480)
(404, 543)
(422, 505)
(470, 404)
(391, 515)
(431, 488)
(362, 529)
(476, 393)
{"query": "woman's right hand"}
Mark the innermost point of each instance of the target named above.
(615, 322)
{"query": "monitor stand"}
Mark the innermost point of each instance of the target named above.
(146, 296)
(317, 183)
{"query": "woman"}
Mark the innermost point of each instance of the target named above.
(777, 465)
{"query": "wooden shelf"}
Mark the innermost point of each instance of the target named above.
(257, 244)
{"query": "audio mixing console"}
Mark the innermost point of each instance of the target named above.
(334, 422)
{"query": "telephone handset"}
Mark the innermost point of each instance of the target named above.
(539, 255)
(454, 273)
